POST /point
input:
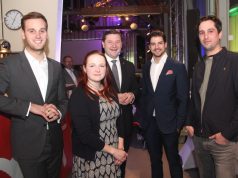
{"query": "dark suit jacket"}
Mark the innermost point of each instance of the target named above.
(220, 111)
(128, 84)
(69, 80)
(85, 115)
(169, 99)
(18, 81)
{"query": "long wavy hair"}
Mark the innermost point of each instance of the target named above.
(107, 92)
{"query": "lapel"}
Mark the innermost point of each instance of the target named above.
(50, 77)
(29, 76)
(123, 74)
(216, 71)
(147, 76)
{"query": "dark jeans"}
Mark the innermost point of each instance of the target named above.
(214, 160)
(155, 141)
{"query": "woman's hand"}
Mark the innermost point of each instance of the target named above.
(119, 155)
(117, 162)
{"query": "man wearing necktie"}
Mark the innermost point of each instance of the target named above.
(123, 80)
(70, 75)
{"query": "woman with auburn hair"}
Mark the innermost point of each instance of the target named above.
(97, 131)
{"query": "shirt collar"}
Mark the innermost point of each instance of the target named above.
(220, 53)
(33, 59)
(69, 70)
(162, 60)
(109, 59)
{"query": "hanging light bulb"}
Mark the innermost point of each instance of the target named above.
(84, 27)
(133, 26)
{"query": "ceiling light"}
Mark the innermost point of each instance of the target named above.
(84, 27)
(133, 26)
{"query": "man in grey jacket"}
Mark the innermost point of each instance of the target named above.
(36, 100)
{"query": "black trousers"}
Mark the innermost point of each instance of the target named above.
(156, 140)
(47, 165)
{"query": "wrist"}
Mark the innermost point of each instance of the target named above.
(133, 98)
(120, 145)
(112, 150)
(121, 148)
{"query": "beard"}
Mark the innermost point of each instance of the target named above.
(158, 55)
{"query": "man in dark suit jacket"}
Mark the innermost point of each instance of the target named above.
(32, 91)
(125, 82)
(164, 105)
(70, 75)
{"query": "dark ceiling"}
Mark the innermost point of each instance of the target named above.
(144, 2)
(86, 3)
(140, 10)
(146, 13)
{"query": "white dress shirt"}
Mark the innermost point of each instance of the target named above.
(156, 69)
(40, 70)
(109, 59)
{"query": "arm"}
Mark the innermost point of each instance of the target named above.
(230, 132)
(119, 155)
(132, 91)
(62, 102)
(189, 128)
(182, 95)
(83, 119)
(121, 143)
(189, 123)
(134, 87)
(10, 105)
(120, 126)
(142, 100)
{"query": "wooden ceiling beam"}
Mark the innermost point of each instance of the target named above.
(119, 11)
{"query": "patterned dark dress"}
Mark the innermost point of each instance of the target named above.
(103, 166)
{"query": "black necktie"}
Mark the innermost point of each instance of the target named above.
(115, 73)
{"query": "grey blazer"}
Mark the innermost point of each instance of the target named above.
(17, 80)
